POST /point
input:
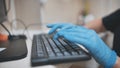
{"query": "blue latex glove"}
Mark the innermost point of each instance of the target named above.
(91, 41)
(56, 26)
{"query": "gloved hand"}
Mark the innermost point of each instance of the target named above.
(56, 26)
(91, 41)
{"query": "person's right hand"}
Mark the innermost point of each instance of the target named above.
(58, 25)
(91, 41)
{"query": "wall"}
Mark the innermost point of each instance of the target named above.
(58, 10)
(53, 11)
(101, 8)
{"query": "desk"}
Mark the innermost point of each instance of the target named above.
(25, 62)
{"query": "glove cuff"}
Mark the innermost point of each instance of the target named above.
(110, 62)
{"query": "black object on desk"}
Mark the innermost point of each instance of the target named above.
(46, 50)
(15, 49)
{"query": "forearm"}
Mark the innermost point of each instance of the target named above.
(117, 64)
(96, 25)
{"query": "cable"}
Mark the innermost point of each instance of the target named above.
(12, 21)
(26, 29)
(9, 6)
(11, 36)
(6, 29)
(20, 21)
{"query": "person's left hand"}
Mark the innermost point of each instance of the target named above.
(58, 25)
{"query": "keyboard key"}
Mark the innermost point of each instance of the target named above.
(75, 47)
(68, 48)
(39, 48)
(52, 44)
(47, 46)
(62, 49)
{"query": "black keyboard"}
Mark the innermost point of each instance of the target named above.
(46, 50)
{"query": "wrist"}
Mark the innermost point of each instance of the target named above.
(111, 60)
(117, 64)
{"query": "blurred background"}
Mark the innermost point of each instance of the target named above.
(35, 14)
(43, 12)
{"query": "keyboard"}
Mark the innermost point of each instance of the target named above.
(46, 50)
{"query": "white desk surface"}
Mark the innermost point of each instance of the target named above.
(25, 62)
